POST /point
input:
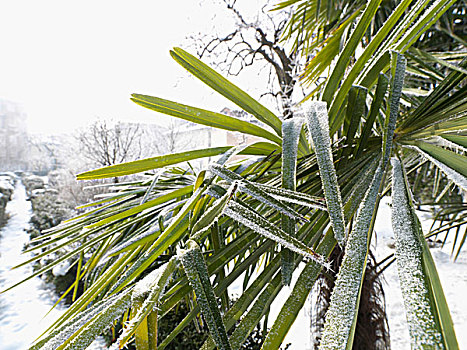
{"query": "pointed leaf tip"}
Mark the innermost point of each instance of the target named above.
(318, 125)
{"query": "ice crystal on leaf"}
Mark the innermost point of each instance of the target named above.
(54, 339)
(132, 241)
(394, 98)
(197, 273)
(422, 326)
(344, 299)
(254, 191)
(156, 279)
(145, 297)
(90, 324)
(211, 215)
(230, 153)
(293, 197)
(318, 125)
(291, 130)
(442, 141)
(259, 224)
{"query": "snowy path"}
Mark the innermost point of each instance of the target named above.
(22, 309)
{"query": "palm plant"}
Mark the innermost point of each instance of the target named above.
(315, 182)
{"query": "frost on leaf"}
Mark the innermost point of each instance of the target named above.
(444, 142)
(259, 224)
(230, 153)
(394, 98)
(211, 215)
(197, 273)
(139, 239)
(318, 125)
(344, 299)
(79, 335)
(291, 129)
(294, 197)
(156, 280)
(57, 336)
(422, 327)
(355, 197)
(452, 175)
(243, 302)
(145, 297)
(254, 191)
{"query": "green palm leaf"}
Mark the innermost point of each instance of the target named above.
(203, 117)
(291, 130)
(197, 273)
(226, 88)
(428, 317)
(317, 119)
(261, 148)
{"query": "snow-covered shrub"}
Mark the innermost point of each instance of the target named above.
(7, 183)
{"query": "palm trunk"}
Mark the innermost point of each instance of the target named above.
(372, 331)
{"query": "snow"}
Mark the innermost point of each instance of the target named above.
(61, 269)
(22, 310)
(6, 183)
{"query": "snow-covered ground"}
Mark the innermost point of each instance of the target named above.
(22, 310)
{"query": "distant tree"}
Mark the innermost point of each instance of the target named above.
(105, 143)
(45, 153)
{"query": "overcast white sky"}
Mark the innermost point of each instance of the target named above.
(68, 62)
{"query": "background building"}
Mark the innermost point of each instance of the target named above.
(13, 136)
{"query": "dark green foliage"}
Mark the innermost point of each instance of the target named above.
(6, 190)
(189, 339)
(48, 211)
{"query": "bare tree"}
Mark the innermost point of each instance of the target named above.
(105, 143)
(251, 41)
(45, 153)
